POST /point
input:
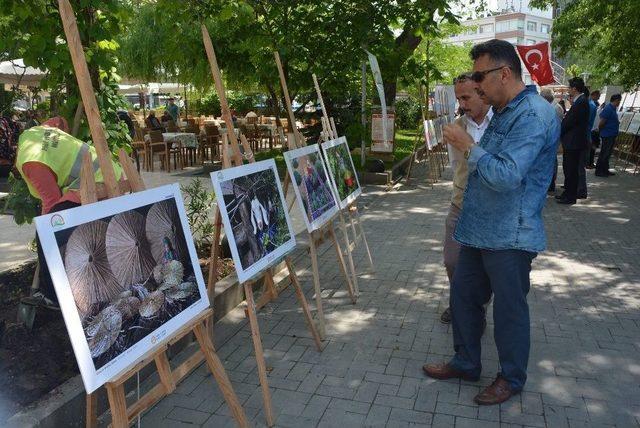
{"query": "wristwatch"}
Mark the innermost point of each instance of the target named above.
(467, 153)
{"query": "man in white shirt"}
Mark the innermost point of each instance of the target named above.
(475, 120)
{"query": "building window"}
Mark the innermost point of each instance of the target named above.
(532, 26)
(545, 28)
(503, 26)
(531, 42)
(486, 28)
(509, 25)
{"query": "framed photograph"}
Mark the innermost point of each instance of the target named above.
(127, 276)
(255, 216)
(625, 121)
(438, 123)
(444, 100)
(430, 134)
(379, 142)
(634, 125)
(311, 185)
(342, 173)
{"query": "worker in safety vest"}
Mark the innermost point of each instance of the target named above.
(50, 160)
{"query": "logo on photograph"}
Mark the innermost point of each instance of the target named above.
(220, 176)
(57, 220)
(157, 337)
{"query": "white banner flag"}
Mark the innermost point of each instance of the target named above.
(377, 77)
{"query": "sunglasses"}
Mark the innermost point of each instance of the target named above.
(478, 76)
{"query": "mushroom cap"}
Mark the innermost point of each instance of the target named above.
(151, 304)
(182, 291)
(87, 266)
(128, 306)
(128, 250)
(103, 330)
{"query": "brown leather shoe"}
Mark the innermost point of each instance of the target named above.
(498, 392)
(445, 371)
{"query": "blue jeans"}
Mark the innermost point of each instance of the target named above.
(478, 274)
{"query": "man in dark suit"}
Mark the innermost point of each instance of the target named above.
(573, 135)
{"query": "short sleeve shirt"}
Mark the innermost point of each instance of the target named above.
(612, 123)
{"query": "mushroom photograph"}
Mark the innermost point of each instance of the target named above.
(129, 274)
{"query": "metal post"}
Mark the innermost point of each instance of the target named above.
(363, 114)
(186, 111)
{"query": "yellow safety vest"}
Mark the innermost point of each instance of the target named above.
(59, 151)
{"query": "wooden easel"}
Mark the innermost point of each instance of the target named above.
(270, 291)
(329, 131)
(324, 234)
(122, 414)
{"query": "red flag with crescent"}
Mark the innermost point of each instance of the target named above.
(536, 59)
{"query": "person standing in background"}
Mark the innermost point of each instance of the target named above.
(475, 119)
(547, 94)
(573, 136)
(595, 136)
(563, 106)
(173, 110)
(584, 159)
(609, 126)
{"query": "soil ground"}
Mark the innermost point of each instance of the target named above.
(32, 363)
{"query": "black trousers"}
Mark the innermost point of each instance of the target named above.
(602, 167)
(582, 174)
(46, 284)
(552, 185)
(571, 163)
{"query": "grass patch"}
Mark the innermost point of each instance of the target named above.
(405, 138)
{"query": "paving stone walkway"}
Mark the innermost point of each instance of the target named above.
(584, 368)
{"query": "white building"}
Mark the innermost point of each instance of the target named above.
(515, 23)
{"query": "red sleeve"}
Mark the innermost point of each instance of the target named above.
(44, 181)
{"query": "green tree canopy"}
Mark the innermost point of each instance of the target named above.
(32, 30)
(436, 61)
(313, 36)
(603, 34)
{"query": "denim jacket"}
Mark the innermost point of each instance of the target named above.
(509, 173)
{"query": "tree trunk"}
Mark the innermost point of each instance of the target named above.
(390, 89)
(405, 44)
(273, 103)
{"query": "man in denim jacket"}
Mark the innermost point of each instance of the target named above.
(500, 228)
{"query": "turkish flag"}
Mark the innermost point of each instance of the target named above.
(536, 59)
